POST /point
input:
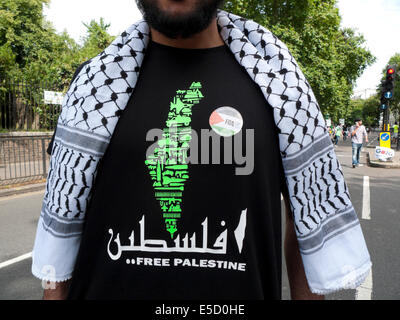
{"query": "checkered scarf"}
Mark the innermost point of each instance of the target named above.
(330, 239)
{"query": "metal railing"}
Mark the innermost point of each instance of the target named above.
(23, 159)
(22, 106)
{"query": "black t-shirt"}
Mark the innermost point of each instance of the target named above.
(161, 226)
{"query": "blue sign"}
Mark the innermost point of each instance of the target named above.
(389, 95)
(385, 137)
(384, 107)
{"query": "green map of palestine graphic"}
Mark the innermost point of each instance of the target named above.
(167, 164)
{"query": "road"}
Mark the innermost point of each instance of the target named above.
(376, 190)
(381, 231)
(18, 220)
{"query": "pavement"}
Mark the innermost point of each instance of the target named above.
(27, 188)
(370, 154)
(373, 162)
(374, 193)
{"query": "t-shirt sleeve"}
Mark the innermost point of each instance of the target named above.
(50, 146)
(283, 184)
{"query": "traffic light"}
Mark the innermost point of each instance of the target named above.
(384, 102)
(388, 87)
(387, 95)
(391, 71)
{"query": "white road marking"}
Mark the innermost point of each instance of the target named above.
(343, 154)
(15, 260)
(364, 292)
(366, 208)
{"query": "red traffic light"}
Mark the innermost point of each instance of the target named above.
(390, 71)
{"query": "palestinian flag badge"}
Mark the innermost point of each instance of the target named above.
(226, 121)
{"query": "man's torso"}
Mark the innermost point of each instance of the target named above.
(359, 135)
(165, 230)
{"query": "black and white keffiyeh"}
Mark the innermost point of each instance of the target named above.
(330, 239)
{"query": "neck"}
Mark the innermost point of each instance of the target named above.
(208, 38)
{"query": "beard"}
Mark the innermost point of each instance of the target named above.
(182, 25)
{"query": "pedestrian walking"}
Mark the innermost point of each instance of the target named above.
(332, 133)
(395, 133)
(345, 132)
(338, 134)
(358, 133)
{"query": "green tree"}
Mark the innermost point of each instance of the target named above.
(331, 57)
(32, 51)
(28, 43)
(96, 39)
(366, 109)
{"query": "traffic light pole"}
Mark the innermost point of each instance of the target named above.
(386, 118)
(398, 142)
(398, 138)
(387, 95)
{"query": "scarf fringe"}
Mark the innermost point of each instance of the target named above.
(350, 281)
(44, 277)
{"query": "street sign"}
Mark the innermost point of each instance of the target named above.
(389, 95)
(53, 97)
(385, 136)
(384, 106)
(385, 140)
(328, 122)
(384, 154)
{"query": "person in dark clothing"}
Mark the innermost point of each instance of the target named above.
(141, 204)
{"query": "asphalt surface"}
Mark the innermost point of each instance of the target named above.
(381, 232)
(19, 215)
(18, 220)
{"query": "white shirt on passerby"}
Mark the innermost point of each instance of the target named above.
(359, 135)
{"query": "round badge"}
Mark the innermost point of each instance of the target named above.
(226, 121)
